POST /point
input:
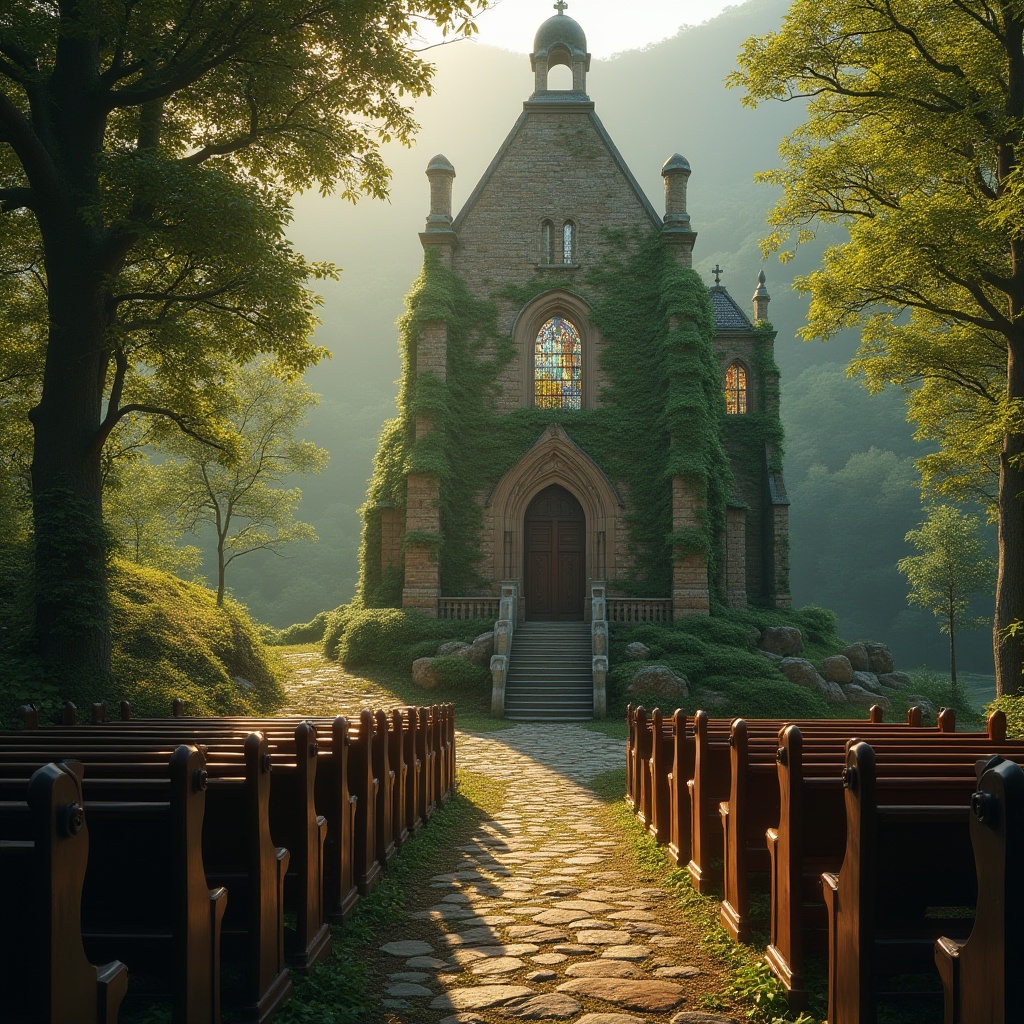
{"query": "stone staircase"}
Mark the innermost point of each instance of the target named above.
(550, 675)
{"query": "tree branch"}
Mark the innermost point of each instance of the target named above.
(16, 198)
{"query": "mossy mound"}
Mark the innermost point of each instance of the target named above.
(393, 638)
(717, 655)
(169, 639)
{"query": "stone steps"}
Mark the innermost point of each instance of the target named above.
(550, 674)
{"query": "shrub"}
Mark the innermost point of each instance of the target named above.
(459, 674)
(392, 638)
(311, 632)
(1013, 706)
(334, 628)
(714, 653)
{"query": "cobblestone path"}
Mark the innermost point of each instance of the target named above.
(543, 919)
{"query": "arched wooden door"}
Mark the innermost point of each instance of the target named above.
(555, 556)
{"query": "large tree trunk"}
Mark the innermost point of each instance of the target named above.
(1009, 650)
(72, 615)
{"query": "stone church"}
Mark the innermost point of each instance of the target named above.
(577, 405)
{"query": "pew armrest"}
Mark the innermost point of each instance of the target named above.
(830, 891)
(111, 986)
(947, 960)
(218, 906)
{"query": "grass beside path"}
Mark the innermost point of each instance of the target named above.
(316, 686)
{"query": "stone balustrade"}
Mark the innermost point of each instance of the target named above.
(631, 610)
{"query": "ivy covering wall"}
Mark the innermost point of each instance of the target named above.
(661, 415)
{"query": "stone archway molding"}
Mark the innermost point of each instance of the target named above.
(554, 458)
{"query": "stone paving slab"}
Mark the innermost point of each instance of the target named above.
(540, 918)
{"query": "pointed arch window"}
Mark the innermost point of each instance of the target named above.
(568, 242)
(736, 389)
(558, 365)
(547, 242)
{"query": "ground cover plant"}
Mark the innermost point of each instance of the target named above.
(728, 676)
(170, 640)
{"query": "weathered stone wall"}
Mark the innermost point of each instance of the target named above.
(556, 168)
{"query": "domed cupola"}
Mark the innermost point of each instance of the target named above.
(560, 40)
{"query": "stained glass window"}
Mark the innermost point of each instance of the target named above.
(735, 389)
(558, 366)
(567, 242)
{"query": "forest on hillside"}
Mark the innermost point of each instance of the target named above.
(850, 455)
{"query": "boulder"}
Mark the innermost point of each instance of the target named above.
(879, 659)
(895, 680)
(479, 652)
(861, 698)
(753, 636)
(711, 699)
(423, 674)
(775, 658)
(924, 703)
(637, 651)
(857, 655)
(800, 671)
(658, 685)
(243, 684)
(452, 647)
(838, 669)
(867, 681)
(784, 640)
(803, 673)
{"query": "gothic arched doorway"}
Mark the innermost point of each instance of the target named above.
(555, 548)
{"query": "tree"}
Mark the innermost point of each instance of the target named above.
(241, 496)
(952, 567)
(140, 502)
(912, 142)
(147, 154)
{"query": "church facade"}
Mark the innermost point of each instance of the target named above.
(576, 404)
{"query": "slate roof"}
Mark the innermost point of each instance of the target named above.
(728, 316)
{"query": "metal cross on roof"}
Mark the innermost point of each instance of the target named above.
(561, 6)
(718, 274)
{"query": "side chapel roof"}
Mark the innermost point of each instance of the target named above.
(728, 316)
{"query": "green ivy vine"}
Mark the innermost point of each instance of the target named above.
(662, 415)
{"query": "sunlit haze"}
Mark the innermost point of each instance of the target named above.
(610, 25)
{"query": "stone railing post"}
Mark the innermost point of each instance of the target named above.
(504, 629)
(599, 645)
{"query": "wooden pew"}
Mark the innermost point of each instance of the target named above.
(396, 758)
(981, 977)
(237, 849)
(754, 803)
(712, 771)
(810, 837)
(414, 785)
(656, 784)
(45, 974)
(906, 853)
(384, 846)
(146, 899)
(294, 821)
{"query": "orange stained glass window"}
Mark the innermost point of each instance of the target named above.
(735, 389)
(558, 366)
